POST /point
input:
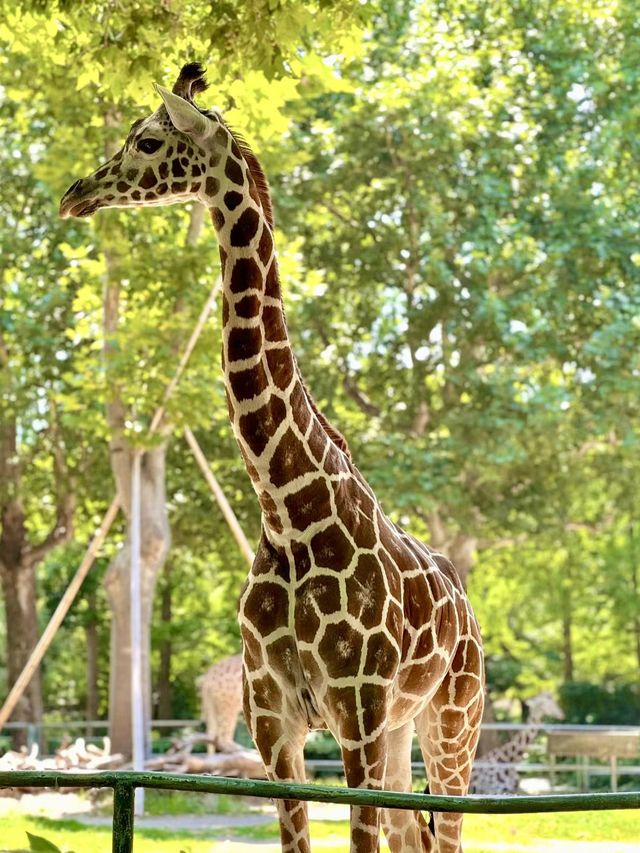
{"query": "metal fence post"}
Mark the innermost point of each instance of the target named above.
(122, 833)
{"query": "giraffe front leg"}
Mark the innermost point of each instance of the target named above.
(358, 721)
(281, 744)
(280, 737)
(364, 768)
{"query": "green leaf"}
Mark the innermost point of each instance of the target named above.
(38, 844)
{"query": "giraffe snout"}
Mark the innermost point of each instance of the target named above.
(79, 200)
(68, 198)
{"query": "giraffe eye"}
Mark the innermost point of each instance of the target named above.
(149, 145)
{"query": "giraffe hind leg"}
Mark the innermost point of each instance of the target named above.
(448, 730)
(405, 831)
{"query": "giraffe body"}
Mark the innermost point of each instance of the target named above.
(221, 696)
(489, 781)
(347, 622)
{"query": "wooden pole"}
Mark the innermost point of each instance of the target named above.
(228, 513)
(60, 612)
(202, 319)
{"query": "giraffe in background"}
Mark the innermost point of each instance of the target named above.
(347, 621)
(504, 780)
(221, 696)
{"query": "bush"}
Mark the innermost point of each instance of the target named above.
(597, 704)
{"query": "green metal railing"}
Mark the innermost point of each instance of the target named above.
(124, 784)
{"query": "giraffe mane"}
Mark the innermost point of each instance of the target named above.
(256, 172)
(334, 434)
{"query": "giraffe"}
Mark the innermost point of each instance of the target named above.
(221, 694)
(347, 621)
(504, 780)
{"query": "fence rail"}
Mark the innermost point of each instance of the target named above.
(542, 761)
(124, 784)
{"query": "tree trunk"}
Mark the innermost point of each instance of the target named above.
(489, 738)
(459, 547)
(567, 638)
(636, 598)
(19, 591)
(154, 546)
(18, 578)
(165, 699)
(91, 631)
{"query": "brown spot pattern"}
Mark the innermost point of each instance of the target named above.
(274, 327)
(244, 343)
(245, 228)
(310, 503)
(265, 246)
(212, 186)
(248, 307)
(247, 384)
(259, 427)
(266, 607)
(217, 217)
(232, 199)
(280, 362)
(149, 179)
(331, 549)
(233, 170)
(289, 460)
(245, 273)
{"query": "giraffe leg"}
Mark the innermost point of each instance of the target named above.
(280, 736)
(292, 814)
(406, 831)
(227, 712)
(281, 749)
(210, 719)
(448, 730)
(360, 773)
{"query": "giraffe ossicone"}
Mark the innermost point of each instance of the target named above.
(347, 621)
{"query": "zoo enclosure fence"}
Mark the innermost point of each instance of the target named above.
(585, 750)
(124, 785)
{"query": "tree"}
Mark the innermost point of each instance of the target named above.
(467, 285)
(141, 341)
(43, 453)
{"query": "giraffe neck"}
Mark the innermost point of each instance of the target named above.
(288, 447)
(516, 747)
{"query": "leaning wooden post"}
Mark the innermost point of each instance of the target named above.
(213, 484)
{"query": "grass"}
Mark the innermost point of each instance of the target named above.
(519, 830)
(159, 802)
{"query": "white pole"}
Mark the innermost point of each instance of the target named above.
(137, 715)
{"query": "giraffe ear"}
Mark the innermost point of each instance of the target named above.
(185, 116)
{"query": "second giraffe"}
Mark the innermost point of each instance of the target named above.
(348, 622)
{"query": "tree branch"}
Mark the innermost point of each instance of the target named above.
(364, 403)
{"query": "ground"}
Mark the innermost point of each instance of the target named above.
(70, 820)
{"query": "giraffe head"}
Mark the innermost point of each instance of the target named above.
(179, 153)
(544, 705)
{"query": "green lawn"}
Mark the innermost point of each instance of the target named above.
(481, 833)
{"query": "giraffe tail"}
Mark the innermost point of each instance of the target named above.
(432, 821)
